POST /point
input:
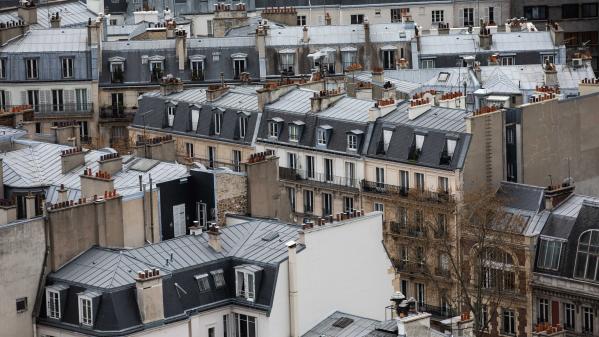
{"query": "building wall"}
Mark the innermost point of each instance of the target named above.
(366, 289)
(231, 194)
(22, 250)
(554, 131)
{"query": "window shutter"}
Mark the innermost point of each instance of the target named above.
(24, 97)
(7, 98)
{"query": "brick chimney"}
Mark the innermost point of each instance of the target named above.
(484, 36)
(214, 238)
(28, 12)
(324, 99)
(214, 92)
(588, 86)
(72, 158)
(148, 284)
(271, 92)
(170, 84)
(8, 211)
(55, 20)
(381, 108)
(96, 184)
(111, 163)
(30, 205)
(554, 195)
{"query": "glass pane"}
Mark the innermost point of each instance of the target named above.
(581, 261)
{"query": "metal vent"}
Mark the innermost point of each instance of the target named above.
(270, 236)
(343, 322)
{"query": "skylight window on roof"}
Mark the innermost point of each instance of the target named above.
(203, 283)
(144, 164)
(443, 77)
(343, 322)
(270, 236)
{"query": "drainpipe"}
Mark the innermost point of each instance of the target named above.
(151, 209)
(292, 276)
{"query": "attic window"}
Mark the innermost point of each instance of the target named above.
(416, 149)
(352, 142)
(203, 283)
(343, 322)
(219, 278)
(218, 122)
(270, 236)
(195, 117)
(170, 115)
(443, 77)
(387, 139)
(273, 129)
(322, 137)
(293, 133)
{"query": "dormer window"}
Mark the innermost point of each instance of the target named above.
(218, 122)
(387, 134)
(53, 304)
(293, 133)
(352, 142)
(274, 127)
(322, 135)
(197, 67)
(448, 151)
(245, 279)
(156, 67)
(348, 56)
(195, 118)
(170, 115)
(203, 282)
(86, 307)
(287, 57)
(416, 149)
(243, 125)
(587, 256)
(239, 64)
(549, 254)
(219, 278)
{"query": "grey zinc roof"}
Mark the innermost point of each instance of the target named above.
(49, 40)
(469, 43)
(521, 196)
(359, 326)
(72, 13)
(437, 118)
(297, 101)
(103, 268)
(39, 165)
(348, 108)
(571, 206)
(527, 77)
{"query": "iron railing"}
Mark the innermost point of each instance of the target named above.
(286, 173)
(83, 108)
(117, 112)
(421, 195)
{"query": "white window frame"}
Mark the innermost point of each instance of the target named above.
(2, 68)
(508, 60)
(273, 129)
(437, 16)
(352, 142)
(468, 16)
(356, 19)
(170, 115)
(569, 316)
(308, 202)
(301, 20)
(68, 64)
(510, 316)
(218, 123)
(379, 207)
(243, 126)
(189, 150)
(321, 137)
(246, 288)
(287, 61)
(250, 321)
(547, 253)
(84, 319)
(236, 160)
(327, 204)
(203, 282)
(292, 160)
(195, 119)
(293, 133)
(32, 68)
(53, 299)
(197, 64)
(427, 63)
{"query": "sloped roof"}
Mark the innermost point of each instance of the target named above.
(49, 40)
(499, 83)
(469, 43)
(72, 14)
(359, 326)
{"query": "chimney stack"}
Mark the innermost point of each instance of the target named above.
(181, 47)
(148, 284)
(550, 73)
(305, 37)
(30, 207)
(72, 158)
(554, 195)
(111, 163)
(293, 291)
(214, 238)
(55, 20)
(8, 211)
(484, 36)
(62, 194)
(28, 12)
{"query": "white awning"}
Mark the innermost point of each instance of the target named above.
(116, 59)
(156, 58)
(300, 123)
(197, 57)
(277, 119)
(239, 56)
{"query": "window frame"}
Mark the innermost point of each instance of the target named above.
(54, 314)
(590, 246)
(243, 126)
(2, 68)
(356, 19)
(437, 16)
(203, 282)
(67, 67)
(246, 289)
(218, 123)
(273, 129)
(293, 133)
(321, 137)
(508, 322)
(308, 202)
(83, 320)
(468, 16)
(32, 71)
(352, 142)
(584, 10)
(21, 300)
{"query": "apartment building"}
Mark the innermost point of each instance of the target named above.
(250, 278)
(578, 19)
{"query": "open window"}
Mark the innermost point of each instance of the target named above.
(203, 282)
(323, 133)
(88, 303)
(348, 56)
(55, 299)
(295, 131)
(217, 121)
(274, 127)
(353, 140)
(156, 67)
(246, 278)
(448, 151)
(117, 69)
(171, 108)
(388, 56)
(219, 278)
(239, 64)
(242, 124)
(196, 64)
(416, 149)
(287, 61)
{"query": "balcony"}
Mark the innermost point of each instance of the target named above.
(84, 109)
(401, 191)
(411, 267)
(317, 179)
(214, 164)
(404, 230)
(442, 272)
(117, 114)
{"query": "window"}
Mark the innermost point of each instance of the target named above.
(498, 269)
(420, 295)
(380, 177)
(329, 62)
(81, 99)
(67, 68)
(21, 304)
(441, 225)
(427, 63)
(273, 129)
(243, 126)
(226, 325)
(328, 169)
(245, 326)
(293, 133)
(245, 285)
(379, 207)
(57, 100)
(404, 180)
(85, 311)
(195, 118)
(83, 130)
(404, 286)
(377, 12)
(489, 15)
(443, 185)
(38, 127)
(468, 17)
(549, 254)
(53, 304)
(301, 20)
(535, 12)
(350, 174)
(2, 68)
(322, 137)
(291, 160)
(211, 332)
(419, 177)
(389, 59)
(287, 63)
(569, 11)
(357, 19)
(509, 322)
(238, 67)
(170, 115)
(547, 58)
(197, 70)
(4, 100)
(32, 70)
(444, 263)
(402, 216)
(387, 134)
(211, 156)
(569, 315)
(116, 72)
(292, 201)
(308, 201)
(117, 103)
(327, 204)
(403, 254)
(508, 60)
(587, 256)
(543, 314)
(218, 123)
(203, 283)
(310, 167)
(352, 142)
(118, 132)
(236, 154)
(348, 204)
(156, 70)
(348, 58)
(587, 320)
(418, 220)
(483, 318)
(437, 16)
(33, 99)
(450, 145)
(398, 13)
(589, 10)
(189, 150)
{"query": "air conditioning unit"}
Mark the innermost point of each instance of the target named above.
(577, 62)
